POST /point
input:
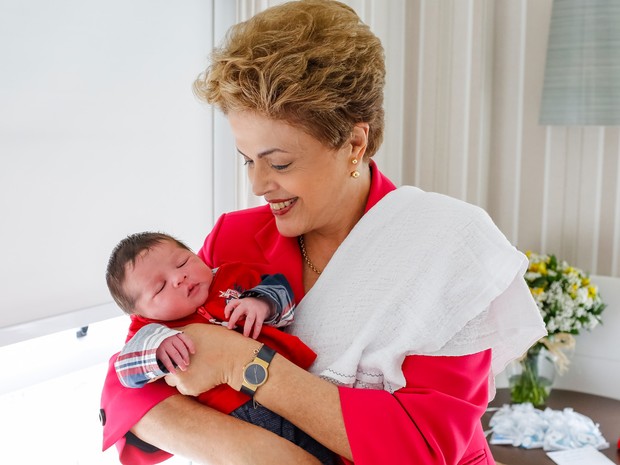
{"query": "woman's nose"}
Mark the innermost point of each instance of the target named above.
(260, 179)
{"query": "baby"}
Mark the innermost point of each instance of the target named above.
(162, 284)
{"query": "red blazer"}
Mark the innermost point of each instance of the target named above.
(434, 419)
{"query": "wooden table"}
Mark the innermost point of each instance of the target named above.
(602, 410)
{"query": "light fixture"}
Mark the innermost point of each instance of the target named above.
(582, 73)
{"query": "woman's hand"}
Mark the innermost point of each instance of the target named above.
(292, 392)
(219, 358)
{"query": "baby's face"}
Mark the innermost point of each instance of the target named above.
(169, 282)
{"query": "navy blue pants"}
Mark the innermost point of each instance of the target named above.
(265, 418)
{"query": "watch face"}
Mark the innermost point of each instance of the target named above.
(255, 374)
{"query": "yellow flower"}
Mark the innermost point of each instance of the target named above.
(540, 267)
(559, 290)
(573, 291)
(592, 291)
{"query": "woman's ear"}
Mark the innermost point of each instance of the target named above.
(359, 140)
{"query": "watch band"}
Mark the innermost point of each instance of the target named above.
(260, 362)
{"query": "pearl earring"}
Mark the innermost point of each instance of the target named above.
(355, 174)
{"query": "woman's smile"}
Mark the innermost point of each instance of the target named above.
(282, 206)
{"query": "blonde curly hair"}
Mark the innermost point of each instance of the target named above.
(311, 63)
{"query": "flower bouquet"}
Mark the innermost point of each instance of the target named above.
(568, 303)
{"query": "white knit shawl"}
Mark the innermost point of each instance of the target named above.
(421, 273)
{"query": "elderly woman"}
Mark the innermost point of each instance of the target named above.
(411, 300)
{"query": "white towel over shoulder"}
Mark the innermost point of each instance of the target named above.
(421, 273)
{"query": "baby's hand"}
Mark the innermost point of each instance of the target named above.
(175, 350)
(256, 311)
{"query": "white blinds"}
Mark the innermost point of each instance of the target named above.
(100, 136)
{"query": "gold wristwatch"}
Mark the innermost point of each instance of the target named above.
(256, 372)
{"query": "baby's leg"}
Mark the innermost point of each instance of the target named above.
(265, 418)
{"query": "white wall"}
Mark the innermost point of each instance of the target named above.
(595, 364)
(100, 137)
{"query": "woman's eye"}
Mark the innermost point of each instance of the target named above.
(280, 167)
(247, 162)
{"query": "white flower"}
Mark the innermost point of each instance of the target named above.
(564, 295)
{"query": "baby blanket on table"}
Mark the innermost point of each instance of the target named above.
(421, 273)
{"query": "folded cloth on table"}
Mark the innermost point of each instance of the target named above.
(522, 425)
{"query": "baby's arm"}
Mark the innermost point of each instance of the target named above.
(275, 294)
(137, 364)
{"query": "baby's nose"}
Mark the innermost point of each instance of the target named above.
(179, 279)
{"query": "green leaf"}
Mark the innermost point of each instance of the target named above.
(539, 282)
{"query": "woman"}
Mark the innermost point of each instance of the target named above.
(430, 287)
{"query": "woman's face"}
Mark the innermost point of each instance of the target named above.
(307, 185)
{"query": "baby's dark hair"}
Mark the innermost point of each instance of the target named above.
(127, 251)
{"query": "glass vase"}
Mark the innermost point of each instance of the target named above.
(531, 378)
